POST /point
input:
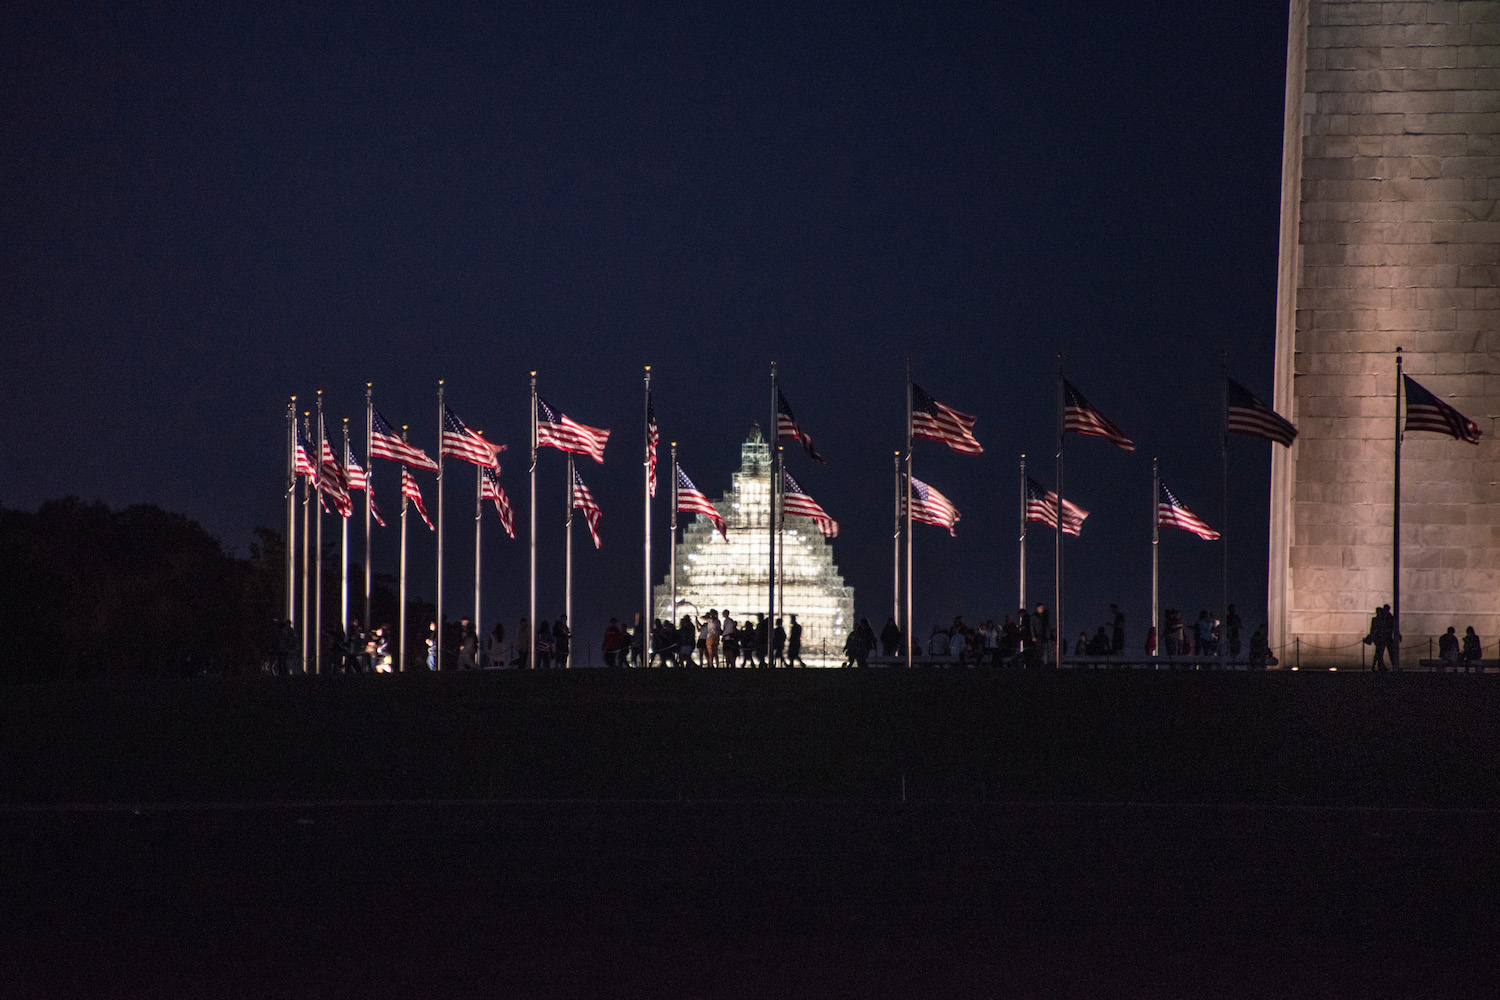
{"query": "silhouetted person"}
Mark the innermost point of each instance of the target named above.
(468, 645)
(543, 646)
(562, 641)
(1101, 644)
(1472, 653)
(1448, 650)
(1232, 627)
(794, 644)
(614, 643)
(1260, 653)
(286, 643)
(1383, 637)
(496, 652)
(523, 645)
(731, 640)
(1041, 626)
(1117, 630)
(890, 638)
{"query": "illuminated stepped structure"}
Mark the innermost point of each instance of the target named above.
(715, 573)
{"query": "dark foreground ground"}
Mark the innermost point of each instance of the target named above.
(1090, 835)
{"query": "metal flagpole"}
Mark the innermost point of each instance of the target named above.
(478, 526)
(780, 541)
(344, 548)
(307, 488)
(1396, 531)
(568, 548)
(896, 543)
(403, 615)
(1155, 564)
(1057, 552)
(644, 634)
(437, 638)
(910, 630)
(1023, 530)
(672, 612)
(772, 473)
(318, 542)
(1224, 526)
(531, 604)
(369, 497)
(291, 511)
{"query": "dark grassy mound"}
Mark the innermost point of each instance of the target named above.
(713, 835)
(1266, 738)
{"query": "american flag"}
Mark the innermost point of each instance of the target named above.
(584, 500)
(931, 419)
(788, 429)
(1081, 418)
(304, 455)
(460, 442)
(360, 480)
(652, 439)
(1425, 412)
(492, 490)
(332, 483)
(1041, 505)
(357, 478)
(409, 489)
(386, 443)
(1248, 415)
(931, 507)
(555, 430)
(690, 498)
(1171, 513)
(795, 501)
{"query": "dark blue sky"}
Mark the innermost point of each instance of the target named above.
(205, 211)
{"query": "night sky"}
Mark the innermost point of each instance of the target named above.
(207, 210)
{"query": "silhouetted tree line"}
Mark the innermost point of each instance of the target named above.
(90, 591)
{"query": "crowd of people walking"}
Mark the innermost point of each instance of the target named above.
(717, 640)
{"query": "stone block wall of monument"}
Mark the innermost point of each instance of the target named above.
(1390, 237)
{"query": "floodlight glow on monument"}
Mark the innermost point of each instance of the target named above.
(713, 572)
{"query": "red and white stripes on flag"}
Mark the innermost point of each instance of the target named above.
(360, 480)
(931, 419)
(460, 442)
(1041, 505)
(584, 500)
(787, 428)
(931, 507)
(554, 430)
(1248, 415)
(492, 490)
(304, 455)
(652, 439)
(356, 473)
(690, 498)
(386, 443)
(1172, 513)
(1425, 412)
(794, 500)
(1081, 418)
(409, 489)
(332, 482)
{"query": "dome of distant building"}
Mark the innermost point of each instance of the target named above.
(715, 572)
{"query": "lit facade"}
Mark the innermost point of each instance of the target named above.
(713, 572)
(1390, 172)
